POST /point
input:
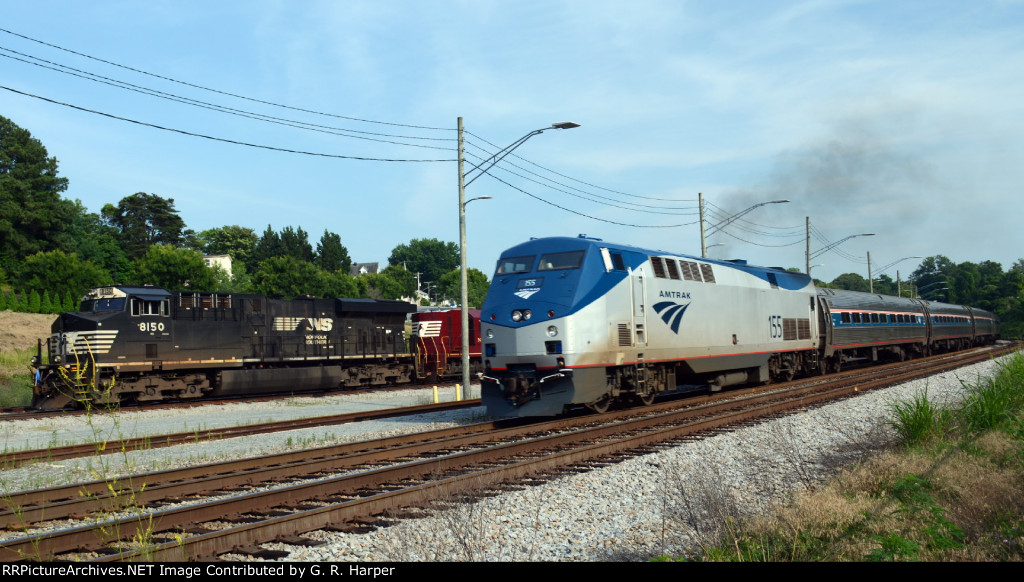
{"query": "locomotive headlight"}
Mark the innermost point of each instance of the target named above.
(527, 313)
(552, 331)
(56, 360)
(517, 315)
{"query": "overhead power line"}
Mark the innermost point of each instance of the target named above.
(220, 139)
(195, 86)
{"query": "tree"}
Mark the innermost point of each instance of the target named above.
(96, 241)
(478, 285)
(430, 257)
(850, 282)
(269, 246)
(295, 243)
(173, 268)
(61, 273)
(237, 241)
(33, 216)
(289, 277)
(144, 220)
(331, 255)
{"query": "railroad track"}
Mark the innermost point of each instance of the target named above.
(342, 488)
(24, 412)
(12, 459)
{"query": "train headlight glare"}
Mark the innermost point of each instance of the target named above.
(527, 313)
(517, 315)
(552, 331)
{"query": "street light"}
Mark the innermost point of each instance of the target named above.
(724, 223)
(883, 269)
(463, 276)
(822, 251)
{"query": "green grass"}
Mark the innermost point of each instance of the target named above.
(16, 377)
(953, 491)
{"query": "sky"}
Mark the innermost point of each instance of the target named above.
(900, 119)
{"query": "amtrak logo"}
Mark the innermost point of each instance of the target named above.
(673, 313)
(526, 293)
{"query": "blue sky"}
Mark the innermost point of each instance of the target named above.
(902, 119)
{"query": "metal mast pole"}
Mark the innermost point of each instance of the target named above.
(463, 278)
(703, 243)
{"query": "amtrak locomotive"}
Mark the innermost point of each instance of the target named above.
(580, 322)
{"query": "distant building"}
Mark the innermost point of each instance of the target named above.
(364, 269)
(222, 261)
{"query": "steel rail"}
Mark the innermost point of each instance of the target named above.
(96, 537)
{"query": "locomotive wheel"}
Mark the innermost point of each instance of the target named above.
(646, 399)
(601, 405)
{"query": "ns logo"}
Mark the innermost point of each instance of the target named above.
(303, 324)
(671, 313)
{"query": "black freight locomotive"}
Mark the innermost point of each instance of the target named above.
(139, 344)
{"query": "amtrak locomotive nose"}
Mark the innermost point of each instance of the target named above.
(542, 323)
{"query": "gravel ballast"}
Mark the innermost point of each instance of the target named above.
(636, 509)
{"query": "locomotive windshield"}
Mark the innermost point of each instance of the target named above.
(515, 265)
(560, 261)
(108, 304)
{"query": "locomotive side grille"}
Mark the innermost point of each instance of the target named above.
(690, 271)
(794, 329)
(803, 329)
(709, 275)
(673, 272)
(625, 337)
(788, 329)
(659, 267)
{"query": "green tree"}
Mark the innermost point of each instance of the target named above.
(478, 285)
(267, 247)
(289, 277)
(295, 243)
(331, 255)
(431, 257)
(341, 284)
(61, 273)
(33, 216)
(144, 220)
(237, 241)
(174, 269)
(850, 282)
(34, 302)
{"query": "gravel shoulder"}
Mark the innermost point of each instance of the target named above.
(646, 506)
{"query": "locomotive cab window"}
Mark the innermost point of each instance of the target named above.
(95, 305)
(560, 261)
(515, 265)
(149, 306)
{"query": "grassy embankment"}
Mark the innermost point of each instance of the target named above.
(953, 490)
(16, 377)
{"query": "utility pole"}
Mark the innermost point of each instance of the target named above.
(703, 243)
(807, 252)
(871, 282)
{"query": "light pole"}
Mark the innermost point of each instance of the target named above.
(827, 248)
(463, 276)
(884, 269)
(724, 223)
